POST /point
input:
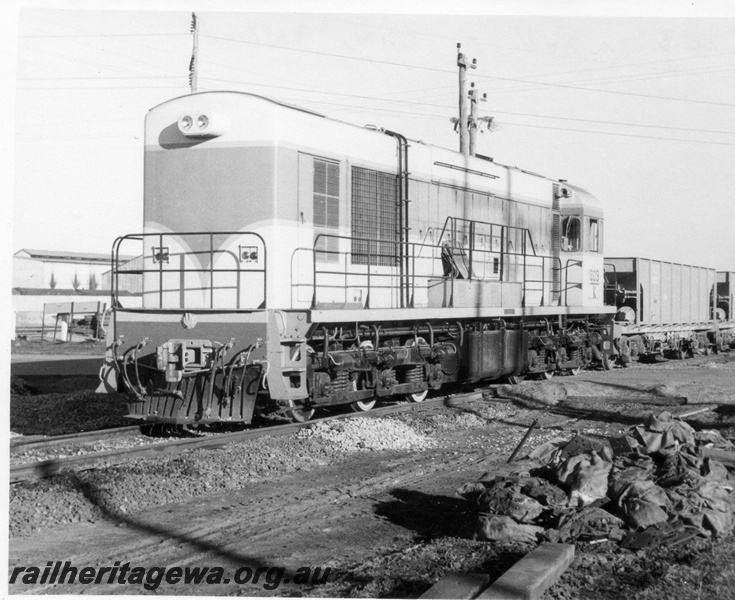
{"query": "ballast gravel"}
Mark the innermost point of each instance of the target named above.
(107, 493)
(355, 435)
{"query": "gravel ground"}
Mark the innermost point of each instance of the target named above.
(157, 481)
(424, 522)
(144, 483)
(356, 435)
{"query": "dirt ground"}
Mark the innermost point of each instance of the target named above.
(386, 523)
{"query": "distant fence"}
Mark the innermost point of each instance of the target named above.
(81, 318)
(62, 320)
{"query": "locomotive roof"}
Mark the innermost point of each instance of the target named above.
(585, 196)
(278, 102)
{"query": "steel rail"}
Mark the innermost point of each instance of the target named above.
(82, 437)
(46, 468)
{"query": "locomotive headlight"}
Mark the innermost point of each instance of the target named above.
(185, 123)
(199, 124)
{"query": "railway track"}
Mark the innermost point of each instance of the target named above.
(46, 468)
(156, 446)
(83, 437)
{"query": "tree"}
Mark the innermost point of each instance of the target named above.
(75, 282)
(93, 285)
(52, 282)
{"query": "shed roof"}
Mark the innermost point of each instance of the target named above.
(66, 255)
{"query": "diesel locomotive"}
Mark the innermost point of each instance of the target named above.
(289, 261)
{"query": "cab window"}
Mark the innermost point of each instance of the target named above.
(571, 234)
(593, 236)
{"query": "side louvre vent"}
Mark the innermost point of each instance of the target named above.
(326, 209)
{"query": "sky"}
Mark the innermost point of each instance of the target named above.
(633, 103)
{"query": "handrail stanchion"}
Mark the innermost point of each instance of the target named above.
(211, 270)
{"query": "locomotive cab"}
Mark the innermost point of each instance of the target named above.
(580, 243)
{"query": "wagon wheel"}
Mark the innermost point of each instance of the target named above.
(546, 375)
(516, 379)
(358, 383)
(574, 371)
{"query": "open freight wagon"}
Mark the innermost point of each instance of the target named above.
(664, 308)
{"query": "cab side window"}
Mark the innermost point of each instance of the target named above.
(593, 236)
(571, 231)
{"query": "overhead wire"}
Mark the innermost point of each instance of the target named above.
(493, 77)
(418, 103)
(110, 51)
(397, 100)
(630, 135)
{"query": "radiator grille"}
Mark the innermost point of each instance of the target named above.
(374, 217)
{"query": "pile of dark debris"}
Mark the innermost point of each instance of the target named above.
(658, 484)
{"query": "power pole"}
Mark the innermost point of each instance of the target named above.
(462, 64)
(474, 123)
(193, 64)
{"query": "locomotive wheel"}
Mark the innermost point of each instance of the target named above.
(362, 405)
(300, 415)
(358, 383)
(418, 396)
